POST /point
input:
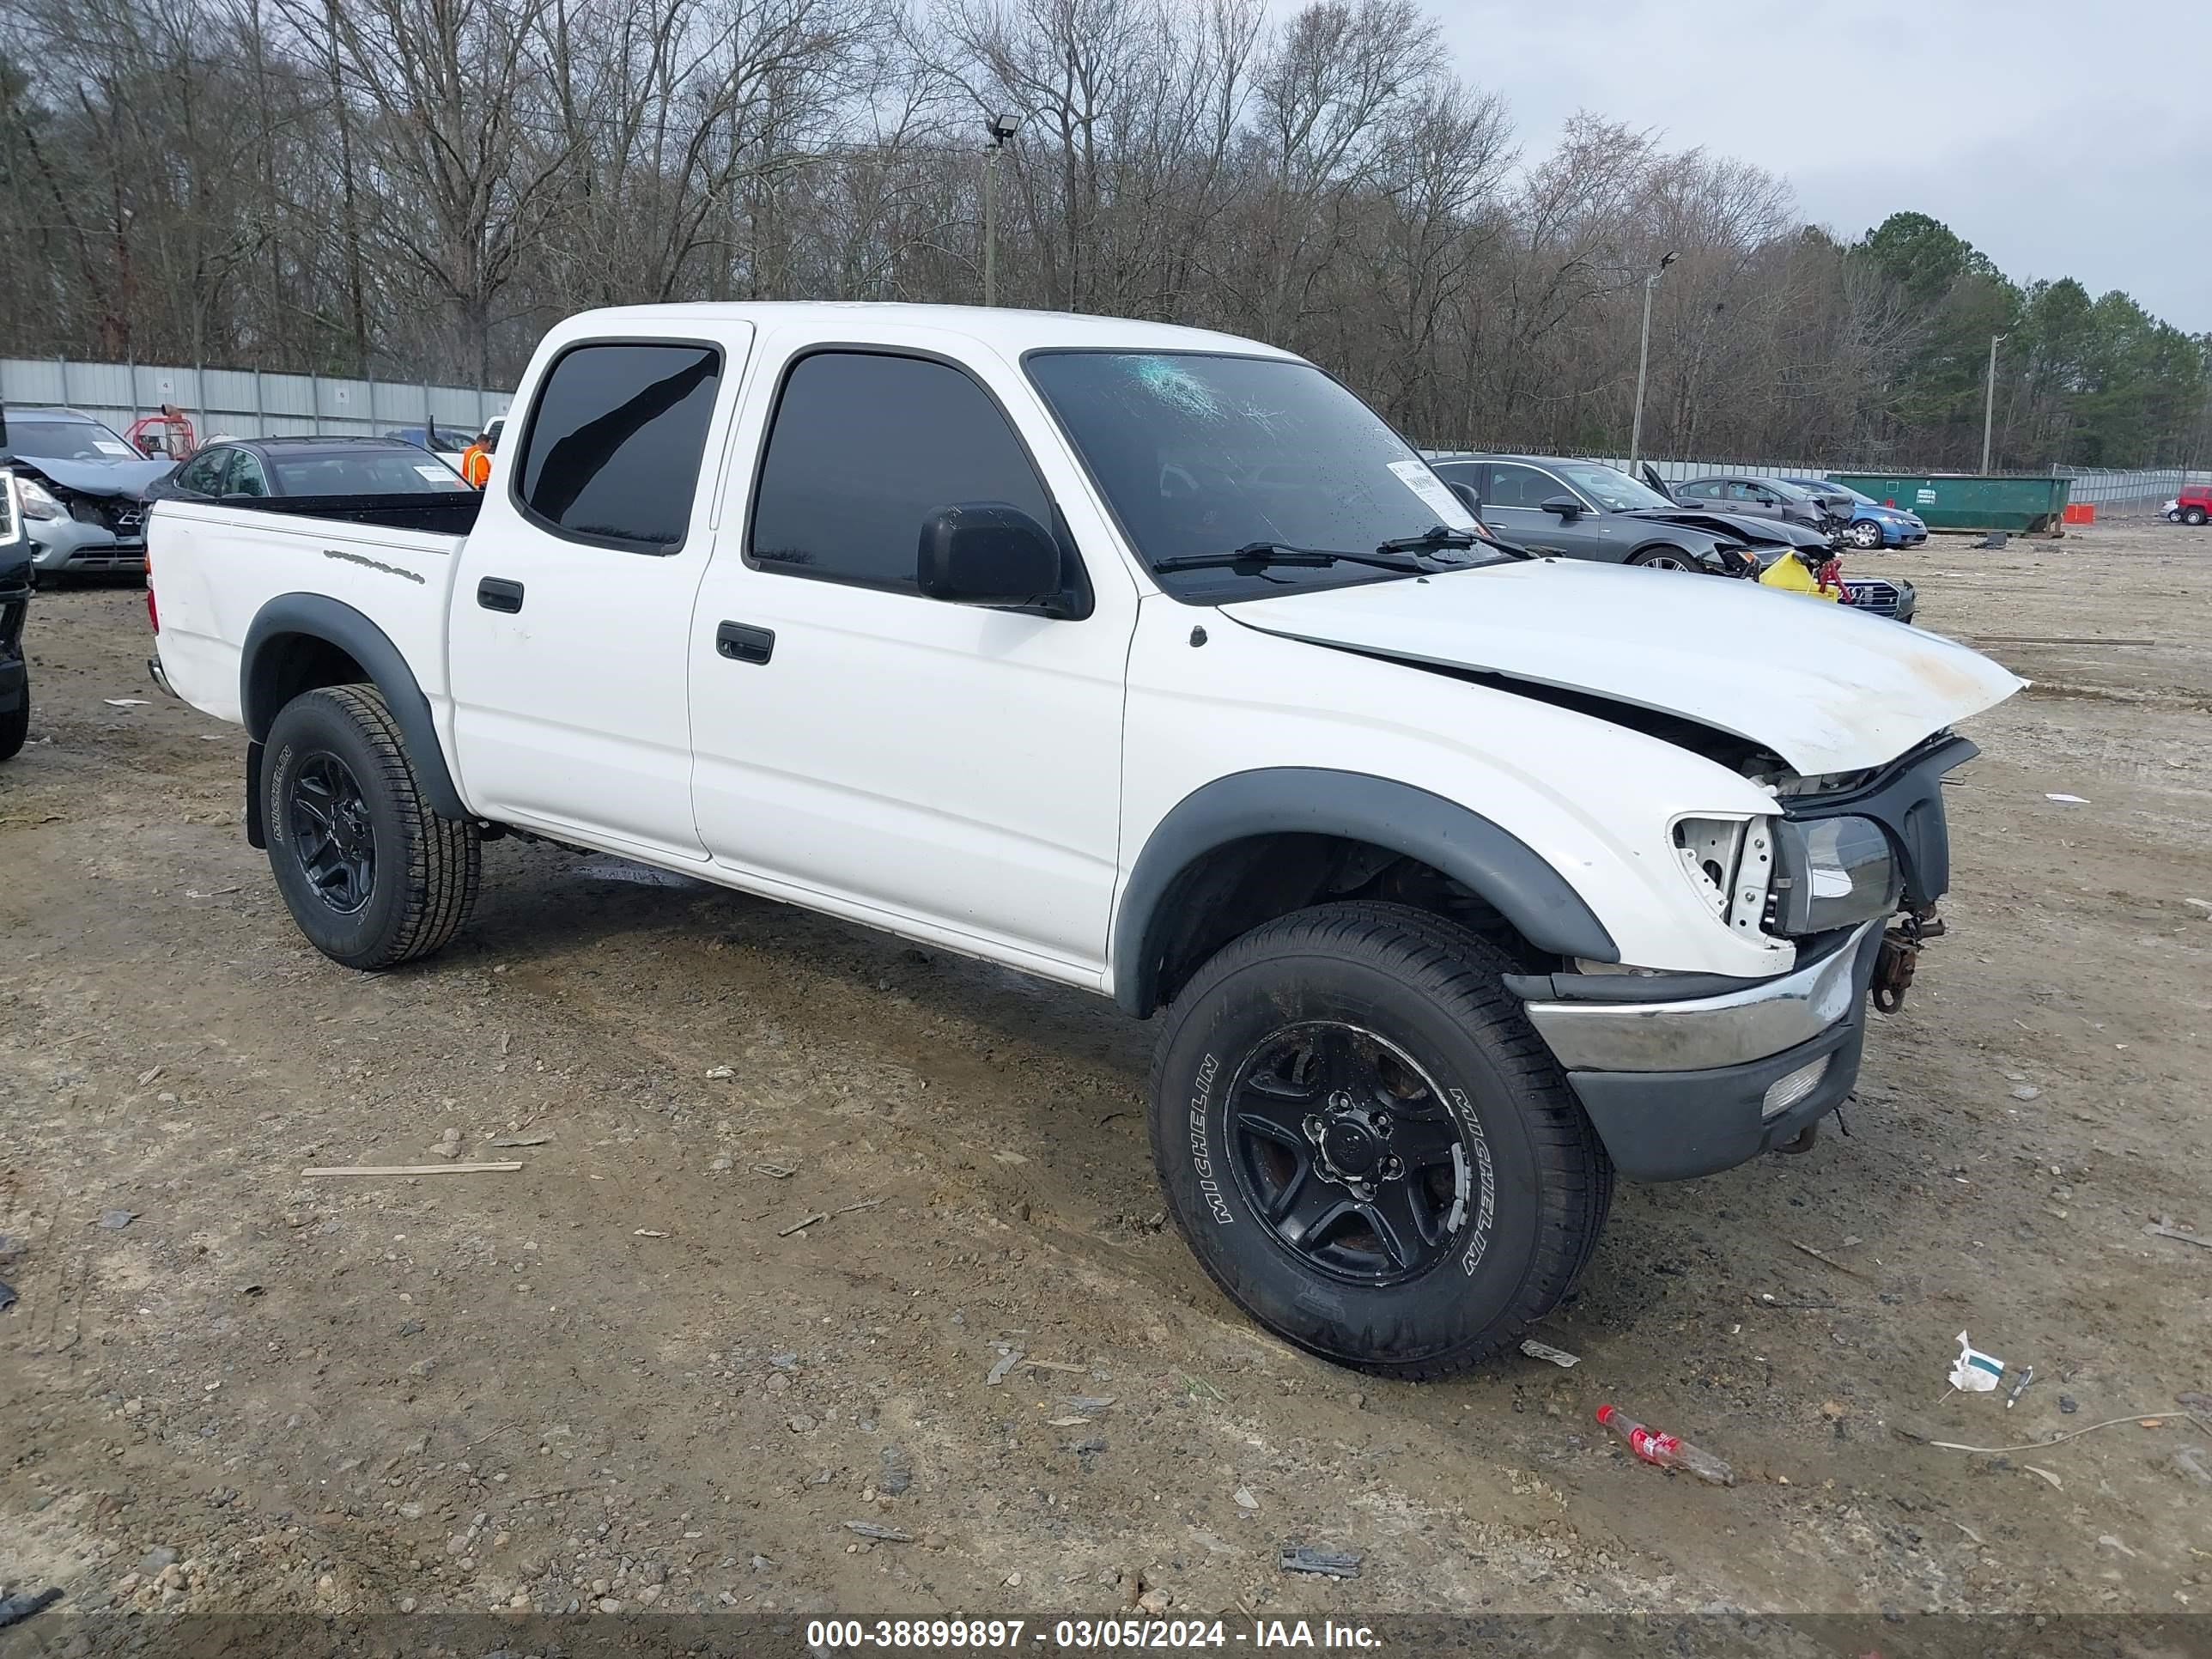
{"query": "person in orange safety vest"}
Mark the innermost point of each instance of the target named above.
(476, 459)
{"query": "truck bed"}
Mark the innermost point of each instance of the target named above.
(213, 568)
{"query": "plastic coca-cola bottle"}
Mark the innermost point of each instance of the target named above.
(1669, 1451)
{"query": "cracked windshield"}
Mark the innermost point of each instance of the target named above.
(1201, 455)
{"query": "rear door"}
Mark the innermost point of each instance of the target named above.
(575, 596)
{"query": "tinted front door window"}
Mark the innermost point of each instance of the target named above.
(867, 446)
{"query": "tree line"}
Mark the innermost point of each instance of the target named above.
(415, 189)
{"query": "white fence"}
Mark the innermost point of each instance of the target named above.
(244, 403)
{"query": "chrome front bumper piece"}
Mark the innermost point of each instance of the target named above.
(1704, 1033)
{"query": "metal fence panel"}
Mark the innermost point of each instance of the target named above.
(27, 381)
(244, 403)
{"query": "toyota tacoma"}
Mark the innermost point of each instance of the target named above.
(1151, 661)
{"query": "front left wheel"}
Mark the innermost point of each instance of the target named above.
(1368, 1146)
(372, 876)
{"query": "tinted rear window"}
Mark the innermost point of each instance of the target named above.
(362, 473)
(611, 453)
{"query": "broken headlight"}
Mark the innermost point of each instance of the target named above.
(37, 500)
(1832, 872)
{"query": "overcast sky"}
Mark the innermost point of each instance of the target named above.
(2062, 139)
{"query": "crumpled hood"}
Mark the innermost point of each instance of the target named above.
(116, 477)
(1825, 688)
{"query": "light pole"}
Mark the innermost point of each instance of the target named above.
(1644, 361)
(999, 129)
(1989, 400)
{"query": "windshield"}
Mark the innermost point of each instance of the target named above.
(1198, 454)
(68, 440)
(1610, 488)
(1860, 496)
(363, 472)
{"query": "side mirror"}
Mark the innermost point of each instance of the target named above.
(1469, 497)
(1566, 506)
(987, 553)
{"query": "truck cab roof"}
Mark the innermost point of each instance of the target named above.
(1010, 331)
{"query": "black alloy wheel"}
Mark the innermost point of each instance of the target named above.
(333, 835)
(1346, 1151)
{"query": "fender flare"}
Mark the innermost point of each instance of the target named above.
(319, 616)
(1487, 859)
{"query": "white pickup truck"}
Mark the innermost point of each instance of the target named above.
(1150, 661)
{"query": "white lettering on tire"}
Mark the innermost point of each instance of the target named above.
(1202, 1152)
(1478, 1241)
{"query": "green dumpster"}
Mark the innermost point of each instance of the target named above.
(1966, 500)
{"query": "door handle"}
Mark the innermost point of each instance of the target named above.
(495, 593)
(742, 644)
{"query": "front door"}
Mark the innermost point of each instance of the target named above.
(888, 756)
(575, 594)
(1517, 493)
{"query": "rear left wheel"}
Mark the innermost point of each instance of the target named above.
(372, 876)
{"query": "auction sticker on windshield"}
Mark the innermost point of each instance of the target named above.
(1417, 478)
(109, 446)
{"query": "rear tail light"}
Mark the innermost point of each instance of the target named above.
(152, 612)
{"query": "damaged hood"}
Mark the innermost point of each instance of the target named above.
(116, 477)
(1824, 687)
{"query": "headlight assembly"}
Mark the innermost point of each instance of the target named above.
(37, 500)
(1832, 872)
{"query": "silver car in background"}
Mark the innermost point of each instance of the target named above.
(79, 487)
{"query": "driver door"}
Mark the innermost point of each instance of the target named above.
(1588, 534)
(949, 771)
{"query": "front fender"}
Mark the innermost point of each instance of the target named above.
(1464, 845)
(265, 686)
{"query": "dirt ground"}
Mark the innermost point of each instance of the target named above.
(618, 1379)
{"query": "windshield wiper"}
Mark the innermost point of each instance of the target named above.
(1435, 535)
(1440, 536)
(1259, 554)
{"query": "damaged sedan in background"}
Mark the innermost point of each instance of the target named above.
(79, 488)
(1584, 509)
